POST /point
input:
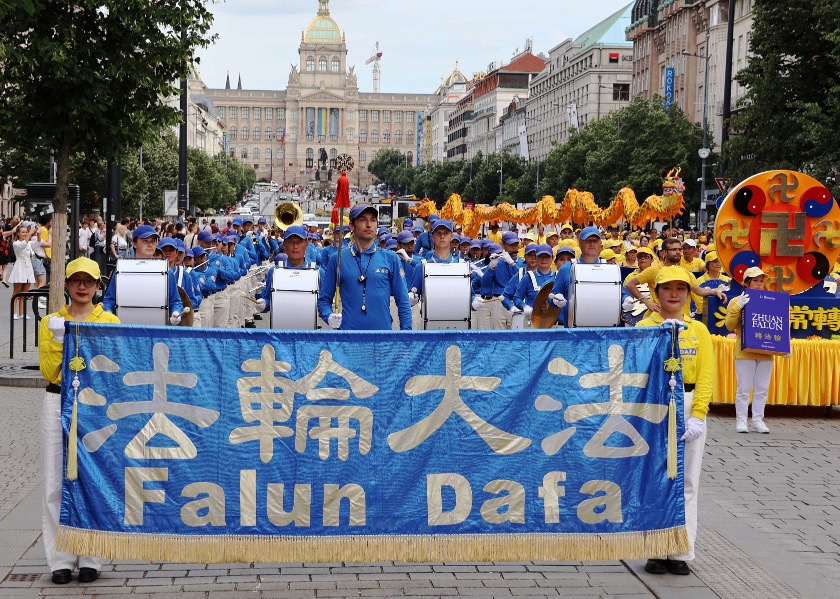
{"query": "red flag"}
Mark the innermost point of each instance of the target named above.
(334, 216)
(342, 192)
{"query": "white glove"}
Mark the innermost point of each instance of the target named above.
(476, 269)
(56, 326)
(694, 427)
(742, 300)
(477, 303)
(528, 311)
(515, 310)
(403, 254)
(334, 321)
(558, 300)
(175, 318)
(674, 322)
(413, 298)
(260, 305)
(494, 261)
(628, 304)
(507, 259)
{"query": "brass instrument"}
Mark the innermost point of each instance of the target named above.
(545, 312)
(287, 214)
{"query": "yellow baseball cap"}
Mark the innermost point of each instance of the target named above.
(673, 273)
(607, 254)
(566, 226)
(645, 250)
(753, 272)
(710, 256)
(85, 265)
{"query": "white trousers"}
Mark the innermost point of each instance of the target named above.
(52, 464)
(752, 375)
(235, 299)
(221, 310)
(692, 467)
(206, 312)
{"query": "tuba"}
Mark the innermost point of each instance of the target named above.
(287, 214)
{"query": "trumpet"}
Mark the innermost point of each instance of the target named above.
(287, 214)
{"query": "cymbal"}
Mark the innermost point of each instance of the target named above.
(187, 315)
(545, 312)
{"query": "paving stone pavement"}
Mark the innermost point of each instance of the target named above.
(767, 530)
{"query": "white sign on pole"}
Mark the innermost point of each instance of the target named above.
(170, 202)
(267, 202)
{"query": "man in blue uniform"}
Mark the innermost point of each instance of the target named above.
(502, 267)
(369, 277)
(424, 241)
(442, 240)
(510, 289)
(294, 244)
(145, 240)
(591, 245)
(533, 281)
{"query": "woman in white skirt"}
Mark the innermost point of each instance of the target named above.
(22, 275)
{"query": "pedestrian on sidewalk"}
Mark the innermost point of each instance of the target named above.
(22, 276)
(753, 371)
(673, 286)
(82, 282)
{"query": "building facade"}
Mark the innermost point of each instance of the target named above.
(321, 115)
(583, 79)
(452, 89)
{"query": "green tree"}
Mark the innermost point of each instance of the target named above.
(791, 111)
(91, 77)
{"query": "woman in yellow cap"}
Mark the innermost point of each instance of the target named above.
(714, 272)
(672, 287)
(82, 280)
(753, 371)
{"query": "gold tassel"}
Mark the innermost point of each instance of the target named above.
(72, 443)
(672, 438)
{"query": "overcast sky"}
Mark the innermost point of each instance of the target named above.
(420, 41)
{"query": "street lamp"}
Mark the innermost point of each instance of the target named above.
(704, 151)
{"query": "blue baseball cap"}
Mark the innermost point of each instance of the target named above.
(408, 223)
(281, 257)
(433, 217)
(381, 230)
(261, 220)
(357, 210)
(217, 237)
(391, 244)
(475, 244)
(486, 243)
(231, 239)
(509, 237)
(236, 222)
(179, 245)
(247, 219)
(167, 241)
(345, 229)
(543, 249)
(205, 236)
(465, 239)
(405, 237)
(441, 223)
(188, 253)
(531, 247)
(418, 229)
(143, 232)
(589, 232)
(296, 231)
(495, 248)
(566, 248)
(198, 251)
(456, 237)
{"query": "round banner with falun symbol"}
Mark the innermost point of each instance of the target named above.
(785, 222)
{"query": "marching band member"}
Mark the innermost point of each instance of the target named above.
(424, 240)
(508, 296)
(82, 280)
(591, 245)
(531, 284)
(672, 288)
(502, 267)
(564, 253)
(294, 245)
(753, 371)
(442, 254)
(405, 250)
(369, 278)
(145, 242)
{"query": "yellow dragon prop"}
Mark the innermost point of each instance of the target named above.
(578, 207)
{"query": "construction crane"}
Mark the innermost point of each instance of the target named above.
(377, 56)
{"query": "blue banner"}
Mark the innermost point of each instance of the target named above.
(669, 86)
(255, 445)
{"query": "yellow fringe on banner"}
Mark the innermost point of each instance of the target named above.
(368, 549)
(72, 444)
(672, 439)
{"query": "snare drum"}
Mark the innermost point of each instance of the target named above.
(142, 292)
(595, 295)
(446, 295)
(294, 299)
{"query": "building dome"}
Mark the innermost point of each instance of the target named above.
(323, 29)
(454, 78)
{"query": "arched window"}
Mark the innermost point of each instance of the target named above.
(244, 132)
(398, 137)
(363, 135)
(362, 156)
(310, 63)
(336, 64)
(350, 133)
(256, 132)
(256, 155)
(232, 132)
(386, 136)
(374, 136)
(268, 153)
(244, 153)
(410, 157)
(322, 63)
(232, 152)
(310, 157)
(269, 134)
(409, 137)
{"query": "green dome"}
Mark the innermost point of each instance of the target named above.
(323, 29)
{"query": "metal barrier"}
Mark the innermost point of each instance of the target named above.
(26, 296)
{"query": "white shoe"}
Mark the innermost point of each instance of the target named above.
(28, 317)
(759, 426)
(741, 425)
(17, 317)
